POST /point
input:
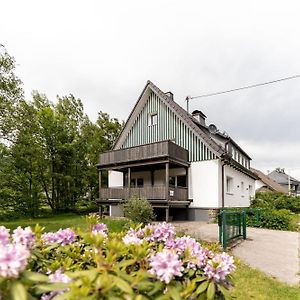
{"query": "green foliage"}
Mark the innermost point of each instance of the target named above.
(102, 268)
(272, 219)
(271, 200)
(138, 210)
(48, 152)
(276, 211)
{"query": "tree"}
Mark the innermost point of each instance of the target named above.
(11, 93)
(49, 151)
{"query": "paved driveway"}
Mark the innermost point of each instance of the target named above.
(272, 251)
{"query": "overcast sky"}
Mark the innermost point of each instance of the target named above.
(104, 52)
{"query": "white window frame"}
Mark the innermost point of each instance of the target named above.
(229, 185)
(152, 119)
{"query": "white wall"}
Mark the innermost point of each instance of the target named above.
(259, 184)
(115, 179)
(204, 186)
(238, 198)
(160, 175)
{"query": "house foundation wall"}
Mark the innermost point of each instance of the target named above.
(208, 215)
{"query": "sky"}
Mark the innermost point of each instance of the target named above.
(103, 52)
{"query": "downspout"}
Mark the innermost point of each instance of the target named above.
(223, 165)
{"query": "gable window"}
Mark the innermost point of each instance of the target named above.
(152, 120)
(229, 185)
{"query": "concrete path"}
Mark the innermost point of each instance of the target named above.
(274, 252)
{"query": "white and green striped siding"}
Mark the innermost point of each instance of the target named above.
(169, 127)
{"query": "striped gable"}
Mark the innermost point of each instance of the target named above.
(156, 117)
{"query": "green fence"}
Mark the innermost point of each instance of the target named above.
(232, 224)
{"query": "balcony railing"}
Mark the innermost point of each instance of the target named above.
(150, 193)
(143, 153)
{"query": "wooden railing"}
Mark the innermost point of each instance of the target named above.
(144, 152)
(150, 193)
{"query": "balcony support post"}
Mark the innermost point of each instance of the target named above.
(99, 205)
(187, 181)
(129, 181)
(167, 191)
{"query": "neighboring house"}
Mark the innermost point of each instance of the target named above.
(266, 184)
(185, 168)
(285, 180)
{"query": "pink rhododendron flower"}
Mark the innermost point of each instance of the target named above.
(62, 237)
(160, 232)
(13, 259)
(219, 267)
(165, 265)
(100, 228)
(57, 276)
(24, 237)
(4, 235)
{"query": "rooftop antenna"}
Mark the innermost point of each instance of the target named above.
(188, 98)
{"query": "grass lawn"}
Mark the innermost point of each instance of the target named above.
(53, 223)
(252, 284)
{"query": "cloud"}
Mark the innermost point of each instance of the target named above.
(104, 52)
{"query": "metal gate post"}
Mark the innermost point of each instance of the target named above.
(224, 227)
(244, 225)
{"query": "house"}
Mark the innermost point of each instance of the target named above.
(286, 181)
(186, 169)
(266, 184)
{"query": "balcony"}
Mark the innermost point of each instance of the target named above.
(155, 194)
(144, 154)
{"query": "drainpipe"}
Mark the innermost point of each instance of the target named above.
(223, 165)
(223, 194)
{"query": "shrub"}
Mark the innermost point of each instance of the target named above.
(143, 263)
(271, 200)
(272, 219)
(138, 210)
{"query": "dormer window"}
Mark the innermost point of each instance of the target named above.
(152, 120)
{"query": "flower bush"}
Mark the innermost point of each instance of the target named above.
(142, 263)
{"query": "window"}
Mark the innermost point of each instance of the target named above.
(140, 182)
(181, 181)
(172, 180)
(136, 182)
(152, 120)
(250, 190)
(242, 188)
(229, 185)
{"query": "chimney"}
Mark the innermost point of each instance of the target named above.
(199, 116)
(170, 95)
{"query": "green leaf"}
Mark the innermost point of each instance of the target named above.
(224, 291)
(123, 285)
(202, 287)
(199, 279)
(45, 288)
(211, 291)
(18, 291)
(174, 293)
(33, 276)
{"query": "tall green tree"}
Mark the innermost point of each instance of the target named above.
(11, 93)
(48, 151)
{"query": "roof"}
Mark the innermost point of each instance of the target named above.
(188, 118)
(269, 182)
(194, 124)
(281, 177)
